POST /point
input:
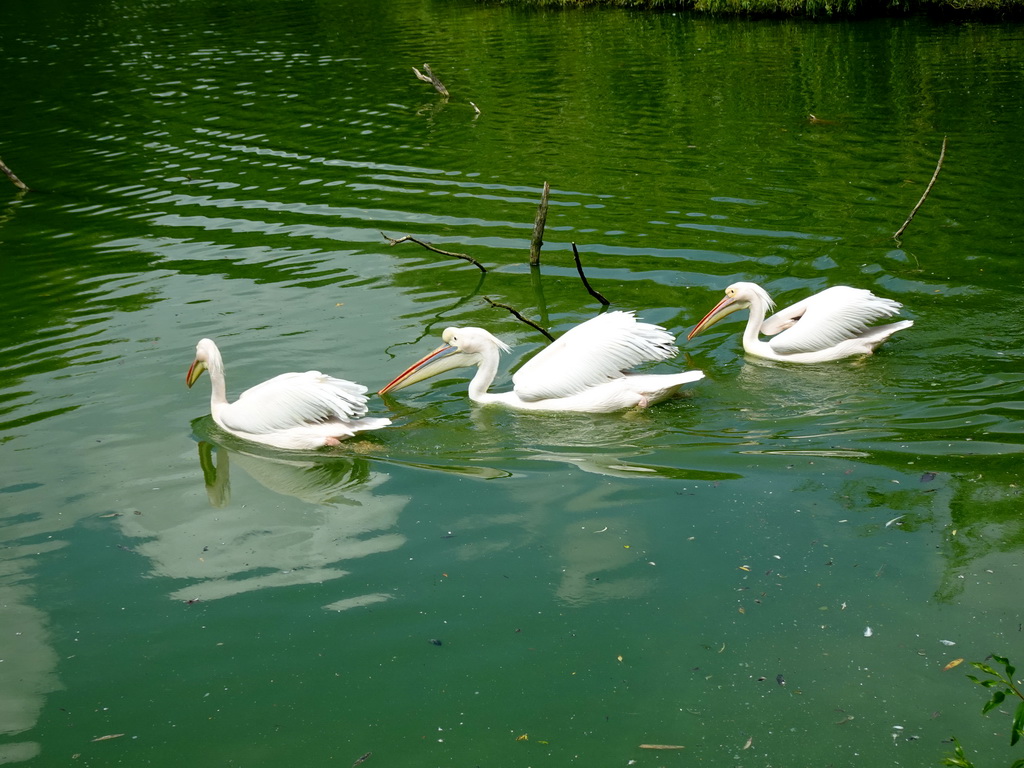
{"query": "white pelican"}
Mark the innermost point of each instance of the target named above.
(827, 326)
(293, 410)
(583, 370)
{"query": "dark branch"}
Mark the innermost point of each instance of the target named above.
(520, 317)
(928, 189)
(431, 78)
(429, 247)
(583, 277)
(538, 227)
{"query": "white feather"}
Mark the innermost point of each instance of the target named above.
(294, 410)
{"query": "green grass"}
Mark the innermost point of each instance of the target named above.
(817, 8)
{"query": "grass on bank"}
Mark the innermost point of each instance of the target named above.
(996, 8)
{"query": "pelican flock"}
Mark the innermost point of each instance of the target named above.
(584, 370)
(588, 369)
(299, 411)
(830, 325)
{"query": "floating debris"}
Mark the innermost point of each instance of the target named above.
(662, 746)
(947, 642)
(868, 632)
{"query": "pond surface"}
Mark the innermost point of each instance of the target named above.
(773, 571)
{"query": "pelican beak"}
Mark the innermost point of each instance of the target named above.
(722, 309)
(194, 372)
(440, 360)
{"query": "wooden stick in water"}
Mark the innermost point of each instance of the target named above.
(14, 179)
(928, 189)
(429, 247)
(538, 227)
(431, 78)
(583, 277)
(520, 317)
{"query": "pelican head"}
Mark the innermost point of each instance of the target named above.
(205, 351)
(463, 347)
(737, 296)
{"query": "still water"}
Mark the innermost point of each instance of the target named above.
(772, 572)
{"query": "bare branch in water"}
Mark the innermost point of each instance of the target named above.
(14, 179)
(583, 277)
(538, 227)
(928, 189)
(431, 78)
(520, 317)
(429, 247)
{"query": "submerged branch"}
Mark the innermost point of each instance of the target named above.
(429, 247)
(520, 317)
(928, 189)
(14, 179)
(431, 78)
(537, 241)
(583, 277)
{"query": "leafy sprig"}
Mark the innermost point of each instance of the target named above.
(1002, 685)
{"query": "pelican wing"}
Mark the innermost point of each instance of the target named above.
(295, 400)
(592, 353)
(826, 319)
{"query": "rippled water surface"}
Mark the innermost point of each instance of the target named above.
(774, 571)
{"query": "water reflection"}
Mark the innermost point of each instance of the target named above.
(251, 546)
(29, 674)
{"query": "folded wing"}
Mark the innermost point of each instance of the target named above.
(592, 353)
(295, 400)
(826, 319)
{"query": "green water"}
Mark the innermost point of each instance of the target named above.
(473, 586)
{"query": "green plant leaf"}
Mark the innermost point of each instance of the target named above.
(997, 699)
(1010, 670)
(984, 668)
(958, 762)
(1001, 659)
(1018, 724)
(1018, 763)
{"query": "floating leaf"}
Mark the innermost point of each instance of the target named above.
(953, 663)
(524, 737)
(750, 740)
(109, 736)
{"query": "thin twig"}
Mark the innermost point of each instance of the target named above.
(520, 317)
(431, 78)
(583, 277)
(928, 189)
(537, 240)
(429, 247)
(14, 179)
